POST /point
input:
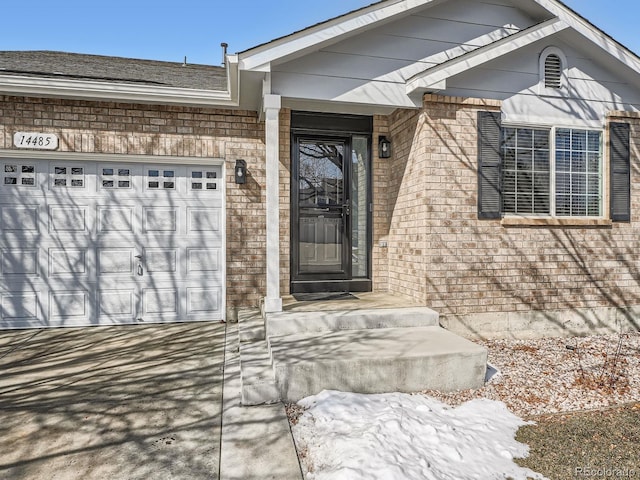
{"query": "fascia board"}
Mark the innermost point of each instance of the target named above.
(440, 73)
(260, 58)
(65, 88)
(233, 79)
(592, 33)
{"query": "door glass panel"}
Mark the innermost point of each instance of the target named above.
(359, 204)
(321, 174)
(320, 206)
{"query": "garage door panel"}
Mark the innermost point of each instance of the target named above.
(160, 302)
(64, 218)
(68, 262)
(74, 306)
(19, 262)
(21, 307)
(118, 219)
(203, 261)
(204, 302)
(160, 219)
(118, 303)
(201, 220)
(19, 218)
(161, 260)
(116, 261)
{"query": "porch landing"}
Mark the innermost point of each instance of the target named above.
(370, 344)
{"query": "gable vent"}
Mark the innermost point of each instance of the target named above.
(553, 71)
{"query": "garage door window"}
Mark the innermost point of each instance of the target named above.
(116, 178)
(203, 180)
(19, 175)
(66, 176)
(161, 179)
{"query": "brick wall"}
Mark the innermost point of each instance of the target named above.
(442, 256)
(381, 207)
(131, 129)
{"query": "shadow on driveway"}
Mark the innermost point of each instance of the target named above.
(135, 402)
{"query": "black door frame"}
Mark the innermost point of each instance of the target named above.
(340, 128)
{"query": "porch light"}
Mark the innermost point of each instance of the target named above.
(241, 172)
(384, 147)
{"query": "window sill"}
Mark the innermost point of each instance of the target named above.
(555, 222)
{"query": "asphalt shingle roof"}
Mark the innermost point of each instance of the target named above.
(76, 66)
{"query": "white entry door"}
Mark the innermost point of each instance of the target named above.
(89, 243)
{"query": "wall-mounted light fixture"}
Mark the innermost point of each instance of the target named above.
(241, 172)
(384, 147)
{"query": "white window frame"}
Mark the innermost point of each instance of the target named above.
(602, 171)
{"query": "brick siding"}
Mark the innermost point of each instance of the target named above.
(442, 256)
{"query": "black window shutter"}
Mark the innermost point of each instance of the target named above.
(489, 166)
(620, 168)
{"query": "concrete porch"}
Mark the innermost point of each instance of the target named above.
(371, 343)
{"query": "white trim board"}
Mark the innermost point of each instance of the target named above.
(108, 157)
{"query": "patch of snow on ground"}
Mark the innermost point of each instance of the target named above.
(348, 436)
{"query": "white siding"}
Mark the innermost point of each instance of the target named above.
(374, 66)
(591, 91)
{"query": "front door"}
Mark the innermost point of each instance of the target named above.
(330, 214)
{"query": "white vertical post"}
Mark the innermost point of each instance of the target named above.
(272, 105)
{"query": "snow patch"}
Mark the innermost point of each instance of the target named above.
(348, 436)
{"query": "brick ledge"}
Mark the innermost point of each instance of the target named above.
(555, 222)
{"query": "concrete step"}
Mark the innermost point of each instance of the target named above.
(251, 325)
(381, 360)
(257, 379)
(301, 322)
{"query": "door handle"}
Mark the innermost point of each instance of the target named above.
(140, 269)
(346, 209)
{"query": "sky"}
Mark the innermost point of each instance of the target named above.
(169, 31)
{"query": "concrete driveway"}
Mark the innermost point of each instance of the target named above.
(134, 402)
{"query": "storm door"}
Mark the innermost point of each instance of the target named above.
(330, 214)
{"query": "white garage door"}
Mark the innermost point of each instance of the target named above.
(90, 243)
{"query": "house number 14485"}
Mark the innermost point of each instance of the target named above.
(39, 141)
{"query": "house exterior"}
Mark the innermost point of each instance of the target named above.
(476, 158)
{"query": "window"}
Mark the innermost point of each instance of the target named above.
(203, 180)
(551, 172)
(161, 179)
(526, 171)
(19, 175)
(65, 176)
(578, 173)
(116, 178)
(527, 165)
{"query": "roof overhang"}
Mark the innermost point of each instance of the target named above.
(96, 90)
(313, 38)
